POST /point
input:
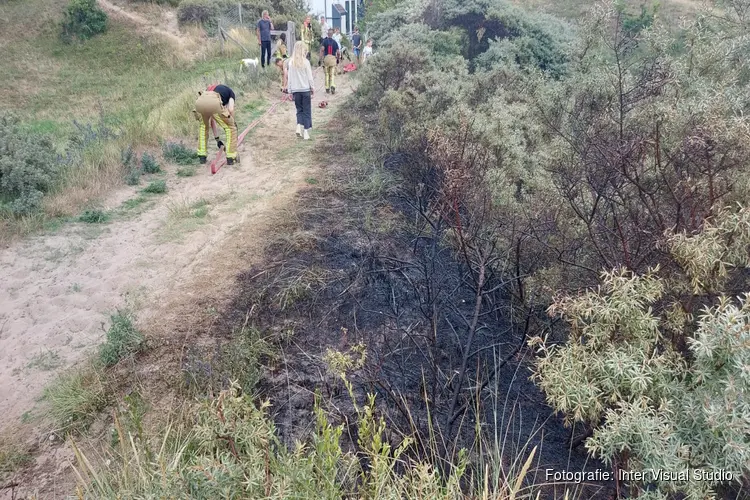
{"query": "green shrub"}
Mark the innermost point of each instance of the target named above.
(186, 171)
(94, 216)
(28, 167)
(122, 339)
(171, 3)
(149, 165)
(156, 187)
(132, 172)
(178, 153)
(83, 19)
(625, 372)
(203, 12)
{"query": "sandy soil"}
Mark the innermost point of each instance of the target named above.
(57, 291)
(161, 21)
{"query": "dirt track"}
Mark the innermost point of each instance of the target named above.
(58, 290)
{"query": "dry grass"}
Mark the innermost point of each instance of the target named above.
(101, 170)
(13, 453)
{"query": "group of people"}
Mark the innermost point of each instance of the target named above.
(215, 106)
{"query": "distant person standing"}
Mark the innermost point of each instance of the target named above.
(298, 80)
(323, 28)
(307, 36)
(329, 54)
(264, 38)
(356, 44)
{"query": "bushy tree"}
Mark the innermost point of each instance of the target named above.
(561, 152)
(28, 167)
(83, 19)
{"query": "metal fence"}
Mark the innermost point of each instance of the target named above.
(240, 17)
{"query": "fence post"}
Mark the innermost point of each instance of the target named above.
(221, 38)
(239, 9)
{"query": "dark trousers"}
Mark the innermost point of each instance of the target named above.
(265, 53)
(303, 102)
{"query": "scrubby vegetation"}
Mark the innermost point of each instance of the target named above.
(122, 339)
(547, 155)
(28, 168)
(539, 217)
(83, 19)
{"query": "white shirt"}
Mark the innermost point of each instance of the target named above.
(367, 52)
(337, 37)
(323, 29)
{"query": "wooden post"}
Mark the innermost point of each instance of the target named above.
(239, 9)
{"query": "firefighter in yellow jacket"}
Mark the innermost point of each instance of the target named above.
(307, 36)
(329, 56)
(216, 106)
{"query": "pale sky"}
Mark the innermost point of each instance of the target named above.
(318, 6)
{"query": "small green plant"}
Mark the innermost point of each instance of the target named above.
(45, 361)
(122, 339)
(83, 19)
(94, 216)
(238, 360)
(134, 202)
(76, 398)
(176, 152)
(12, 456)
(149, 165)
(156, 187)
(132, 172)
(186, 171)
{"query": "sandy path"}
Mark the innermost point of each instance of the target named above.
(168, 19)
(58, 290)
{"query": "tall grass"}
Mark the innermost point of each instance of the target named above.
(76, 398)
(232, 451)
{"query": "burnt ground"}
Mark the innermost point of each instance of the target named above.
(360, 259)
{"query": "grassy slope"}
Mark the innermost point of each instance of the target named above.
(132, 80)
(50, 83)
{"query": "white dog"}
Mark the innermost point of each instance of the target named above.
(246, 63)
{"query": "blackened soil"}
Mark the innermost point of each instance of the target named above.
(362, 259)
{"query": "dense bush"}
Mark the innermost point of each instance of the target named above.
(652, 405)
(83, 19)
(197, 12)
(172, 3)
(562, 152)
(28, 167)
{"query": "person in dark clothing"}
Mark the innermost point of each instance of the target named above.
(357, 44)
(264, 38)
(329, 55)
(216, 105)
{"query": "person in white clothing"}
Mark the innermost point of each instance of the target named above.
(367, 52)
(337, 36)
(323, 27)
(298, 80)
